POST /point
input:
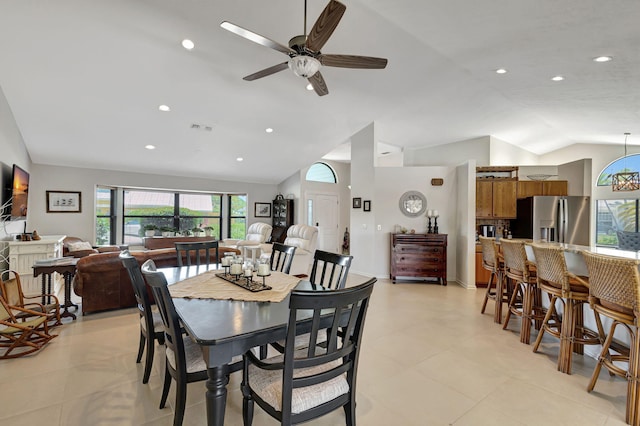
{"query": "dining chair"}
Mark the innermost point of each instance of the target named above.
(184, 361)
(303, 384)
(525, 299)
(572, 292)
(19, 337)
(11, 291)
(197, 252)
(496, 287)
(330, 270)
(281, 257)
(151, 326)
(614, 292)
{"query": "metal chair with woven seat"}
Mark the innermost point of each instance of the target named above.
(614, 292)
(525, 300)
(496, 288)
(572, 292)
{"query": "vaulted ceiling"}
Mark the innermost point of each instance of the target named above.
(84, 80)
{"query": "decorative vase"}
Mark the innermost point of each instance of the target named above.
(149, 233)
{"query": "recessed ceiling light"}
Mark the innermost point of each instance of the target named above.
(188, 44)
(501, 71)
(557, 78)
(239, 159)
(150, 146)
(602, 59)
(268, 130)
(164, 108)
(309, 86)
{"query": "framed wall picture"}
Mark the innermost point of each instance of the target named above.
(366, 205)
(262, 210)
(357, 203)
(64, 202)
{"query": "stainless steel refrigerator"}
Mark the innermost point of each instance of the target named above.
(550, 218)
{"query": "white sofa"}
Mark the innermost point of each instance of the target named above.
(257, 234)
(304, 238)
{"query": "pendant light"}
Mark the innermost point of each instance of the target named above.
(625, 180)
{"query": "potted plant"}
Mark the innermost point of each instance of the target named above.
(168, 231)
(150, 229)
(197, 231)
(208, 231)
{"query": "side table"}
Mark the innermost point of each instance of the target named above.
(67, 270)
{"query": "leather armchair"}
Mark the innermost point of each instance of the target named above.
(304, 238)
(258, 233)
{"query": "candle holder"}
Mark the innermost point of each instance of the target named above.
(429, 229)
(435, 227)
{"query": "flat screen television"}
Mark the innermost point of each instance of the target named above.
(19, 193)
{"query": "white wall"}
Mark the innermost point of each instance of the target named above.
(451, 154)
(82, 224)
(364, 243)
(465, 238)
(390, 184)
(579, 175)
(502, 153)
(12, 151)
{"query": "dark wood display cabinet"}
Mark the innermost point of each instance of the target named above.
(282, 219)
(419, 256)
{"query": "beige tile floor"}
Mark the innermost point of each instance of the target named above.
(428, 358)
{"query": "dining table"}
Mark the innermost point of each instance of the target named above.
(227, 328)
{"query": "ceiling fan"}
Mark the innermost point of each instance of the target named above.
(305, 58)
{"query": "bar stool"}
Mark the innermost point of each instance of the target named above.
(614, 292)
(572, 292)
(525, 299)
(496, 289)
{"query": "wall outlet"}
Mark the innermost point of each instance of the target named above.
(364, 226)
(379, 227)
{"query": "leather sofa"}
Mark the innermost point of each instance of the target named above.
(103, 282)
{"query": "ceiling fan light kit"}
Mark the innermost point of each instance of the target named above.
(305, 58)
(304, 66)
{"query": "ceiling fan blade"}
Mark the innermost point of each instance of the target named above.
(325, 25)
(256, 38)
(318, 84)
(353, 61)
(267, 71)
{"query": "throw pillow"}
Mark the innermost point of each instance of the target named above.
(79, 246)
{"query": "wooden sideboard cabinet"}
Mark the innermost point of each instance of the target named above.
(419, 256)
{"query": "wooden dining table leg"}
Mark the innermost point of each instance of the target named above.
(216, 396)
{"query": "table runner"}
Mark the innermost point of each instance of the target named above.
(208, 286)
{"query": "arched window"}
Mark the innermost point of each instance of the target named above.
(321, 172)
(629, 163)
